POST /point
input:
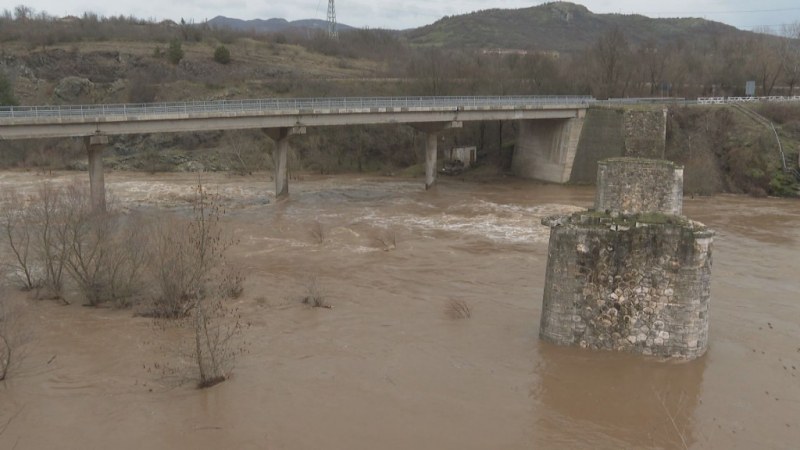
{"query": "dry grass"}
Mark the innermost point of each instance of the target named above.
(318, 232)
(386, 240)
(457, 309)
(315, 296)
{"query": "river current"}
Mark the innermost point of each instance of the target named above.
(386, 367)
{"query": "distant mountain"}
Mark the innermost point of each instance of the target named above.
(558, 26)
(271, 25)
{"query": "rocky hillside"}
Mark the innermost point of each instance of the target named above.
(559, 27)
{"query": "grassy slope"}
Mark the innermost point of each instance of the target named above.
(258, 69)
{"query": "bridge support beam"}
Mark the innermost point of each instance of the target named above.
(97, 185)
(281, 156)
(432, 131)
(546, 149)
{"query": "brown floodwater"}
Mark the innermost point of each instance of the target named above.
(387, 367)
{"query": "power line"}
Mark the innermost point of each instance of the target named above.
(722, 11)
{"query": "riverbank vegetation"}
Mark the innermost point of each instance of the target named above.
(169, 266)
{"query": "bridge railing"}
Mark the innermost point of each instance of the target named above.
(725, 100)
(277, 105)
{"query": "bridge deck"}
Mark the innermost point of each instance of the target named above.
(82, 120)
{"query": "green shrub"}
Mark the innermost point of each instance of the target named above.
(6, 92)
(783, 185)
(175, 51)
(222, 55)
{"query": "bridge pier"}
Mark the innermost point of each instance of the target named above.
(281, 157)
(97, 185)
(546, 149)
(432, 131)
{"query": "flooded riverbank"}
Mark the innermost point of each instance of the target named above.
(387, 367)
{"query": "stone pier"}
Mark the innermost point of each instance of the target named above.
(633, 274)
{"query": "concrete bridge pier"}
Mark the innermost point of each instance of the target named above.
(97, 185)
(432, 131)
(546, 148)
(281, 157)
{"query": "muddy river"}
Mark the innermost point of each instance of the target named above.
(387, 368)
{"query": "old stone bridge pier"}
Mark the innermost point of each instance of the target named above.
(549, 131)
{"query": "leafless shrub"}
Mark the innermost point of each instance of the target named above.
(13, 337)
(386, 240)
(318, 232)
(50, 217)
(188, 256)
(57, 232)
(19, 236)
(315, 295)
(215, 326)
(193, 284)
(108, 255)
(458, 309)
(232, 283)
(244, 152)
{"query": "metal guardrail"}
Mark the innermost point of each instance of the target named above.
(726, 100)
(140, 111)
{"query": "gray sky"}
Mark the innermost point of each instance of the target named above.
(399, 14)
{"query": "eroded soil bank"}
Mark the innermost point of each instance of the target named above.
(386, 367)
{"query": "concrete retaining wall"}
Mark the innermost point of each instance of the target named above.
(610, 133)
(601, 138)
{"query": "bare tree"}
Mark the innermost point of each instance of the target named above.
(108, 252)
(50, 220)
(216, 327)
(13, 337)
(18, 231)
(654, 59)
(194, 283)
(244, 151)
(766, 63)
(188, 255)
(790, 53)
(611, 56)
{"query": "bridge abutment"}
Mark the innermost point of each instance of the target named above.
(281, 157)
(97, 185)
(546, 149)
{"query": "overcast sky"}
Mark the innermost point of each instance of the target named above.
(400, 14)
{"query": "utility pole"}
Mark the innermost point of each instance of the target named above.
(332, 20)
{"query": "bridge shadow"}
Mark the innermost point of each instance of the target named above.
(607, 400)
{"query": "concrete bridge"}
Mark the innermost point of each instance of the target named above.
(549, 130)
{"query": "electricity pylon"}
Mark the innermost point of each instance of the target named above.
(332, 20)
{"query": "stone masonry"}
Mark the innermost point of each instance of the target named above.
(632, 275)
(629, 185)
(645, 133)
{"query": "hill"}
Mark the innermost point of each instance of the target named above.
(559, 26)
(271, 25)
